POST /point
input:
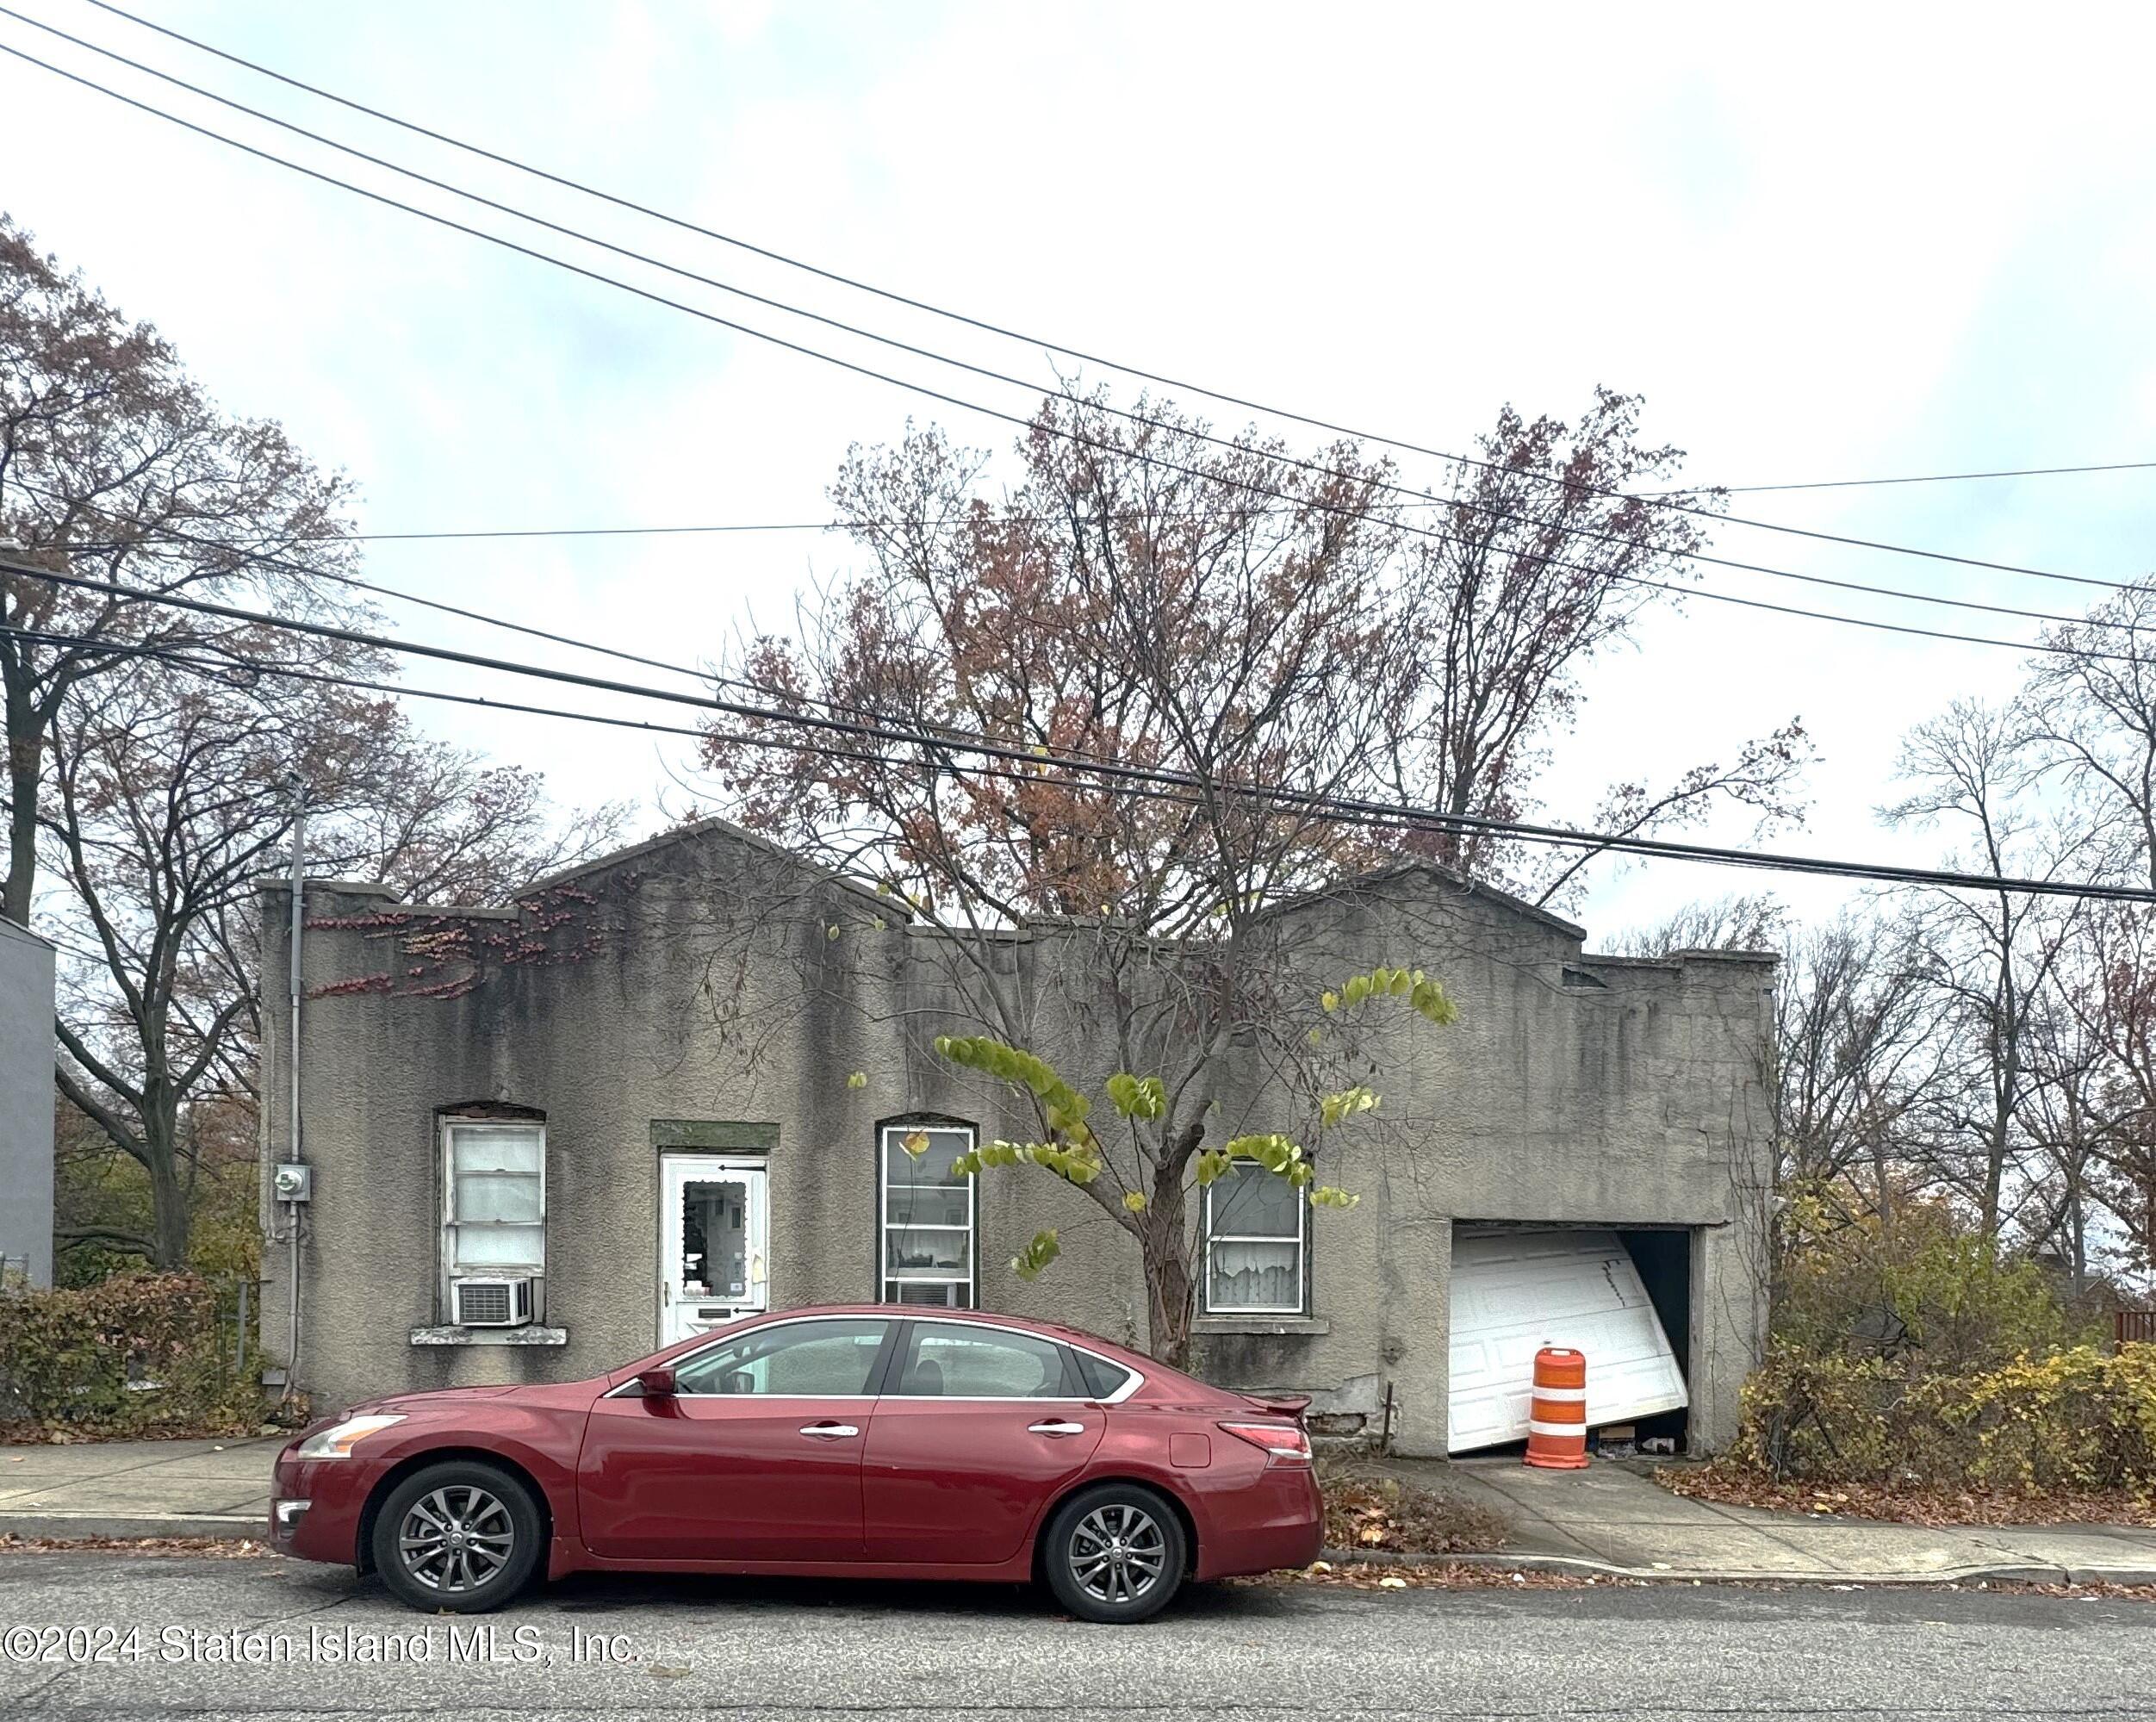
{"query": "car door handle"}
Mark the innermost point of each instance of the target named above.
(1056, 1429)
(830, 1432)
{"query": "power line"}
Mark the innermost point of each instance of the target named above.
(1930, 477)
(1033, 760)
(840, 526)
(1317, 505)
(1167, 382)
(2038, 648)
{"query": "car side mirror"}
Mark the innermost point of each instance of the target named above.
(657, 1382)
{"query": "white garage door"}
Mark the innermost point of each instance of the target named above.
(1514, 1292)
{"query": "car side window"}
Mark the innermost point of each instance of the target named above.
(1102, 1379)
(949, 1360)
(796, 1360)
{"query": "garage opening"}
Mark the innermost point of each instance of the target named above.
(1623, 1296)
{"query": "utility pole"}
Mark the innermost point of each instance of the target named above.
(293, 1144)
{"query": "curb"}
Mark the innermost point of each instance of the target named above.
(75, 1527)
(62, 1527)
(2018, 1572)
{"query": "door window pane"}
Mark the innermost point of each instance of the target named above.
(980, 1362)
(802, 1360)
(714, 1237)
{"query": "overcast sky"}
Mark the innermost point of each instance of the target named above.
(1838, 243)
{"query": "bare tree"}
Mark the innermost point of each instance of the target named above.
(2089, 712)
(1989, 956)
(1144, 597)
(1859, 1055)
(173, 790)
(1549, 559)
(113, 463)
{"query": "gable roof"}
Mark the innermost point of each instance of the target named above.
(1403, 871)
(714, 826)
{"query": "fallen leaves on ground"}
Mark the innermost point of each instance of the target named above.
(1368, 1511)
(1463, 1576)
(1439, 1575)
(214, 1548)
(1912, 1504)
(19, 1434)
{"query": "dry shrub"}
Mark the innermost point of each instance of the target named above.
(138, 1353)
(2079, 1421)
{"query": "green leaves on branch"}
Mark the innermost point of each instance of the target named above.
(1036, 1255)
(1275, 1153)
(1137, 1097)
(1063, 1109)
(1079, 1165)
(1347, 1104)
(1423, 994)
(1077, 1158)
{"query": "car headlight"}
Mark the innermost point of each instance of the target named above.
(337, 1441)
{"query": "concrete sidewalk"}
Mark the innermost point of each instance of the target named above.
(1611, 1518)
(139, 1489)
(1614, 1518)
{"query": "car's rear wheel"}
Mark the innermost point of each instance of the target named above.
(1115, 1552)
(460, 1535)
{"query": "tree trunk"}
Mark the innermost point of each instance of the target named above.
(1169, 1291)
(169, 1213)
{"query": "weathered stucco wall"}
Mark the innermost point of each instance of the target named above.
(702, 979)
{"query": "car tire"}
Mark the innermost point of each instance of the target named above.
(1115, 1553)
(461, 1535)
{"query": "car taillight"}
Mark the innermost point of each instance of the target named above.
(1284, 1444)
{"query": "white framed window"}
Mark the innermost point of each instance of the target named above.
(1255, 1241)
(494, 1199)
(926, 1221)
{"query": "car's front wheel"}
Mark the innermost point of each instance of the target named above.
(460, 1535)
(1115, 1552)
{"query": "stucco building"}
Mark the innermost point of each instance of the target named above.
(675, 1085)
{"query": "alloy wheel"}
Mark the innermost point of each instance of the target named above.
(456, 1538)
(1117, 1553)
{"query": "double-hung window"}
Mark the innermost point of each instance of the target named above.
(925, 1223)
(494, 1205)
(1254, 1245)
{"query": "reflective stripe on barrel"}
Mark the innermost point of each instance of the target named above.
(1556, 1424)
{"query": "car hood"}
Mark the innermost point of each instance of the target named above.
(428, 1399)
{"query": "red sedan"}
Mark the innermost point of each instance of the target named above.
(860, 1441)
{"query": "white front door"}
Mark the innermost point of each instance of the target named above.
(714, 1230)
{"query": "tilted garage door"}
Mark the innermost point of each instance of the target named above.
(1515, 1291)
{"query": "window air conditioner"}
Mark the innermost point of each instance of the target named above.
(502, 1302)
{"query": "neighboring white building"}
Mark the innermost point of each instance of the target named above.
(26, 1106)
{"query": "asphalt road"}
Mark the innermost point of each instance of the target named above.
(777, 1652)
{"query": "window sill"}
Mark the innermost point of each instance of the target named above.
(1311, 1325)
(534, 1335)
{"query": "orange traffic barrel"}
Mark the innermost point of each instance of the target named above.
(1556, 1423)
